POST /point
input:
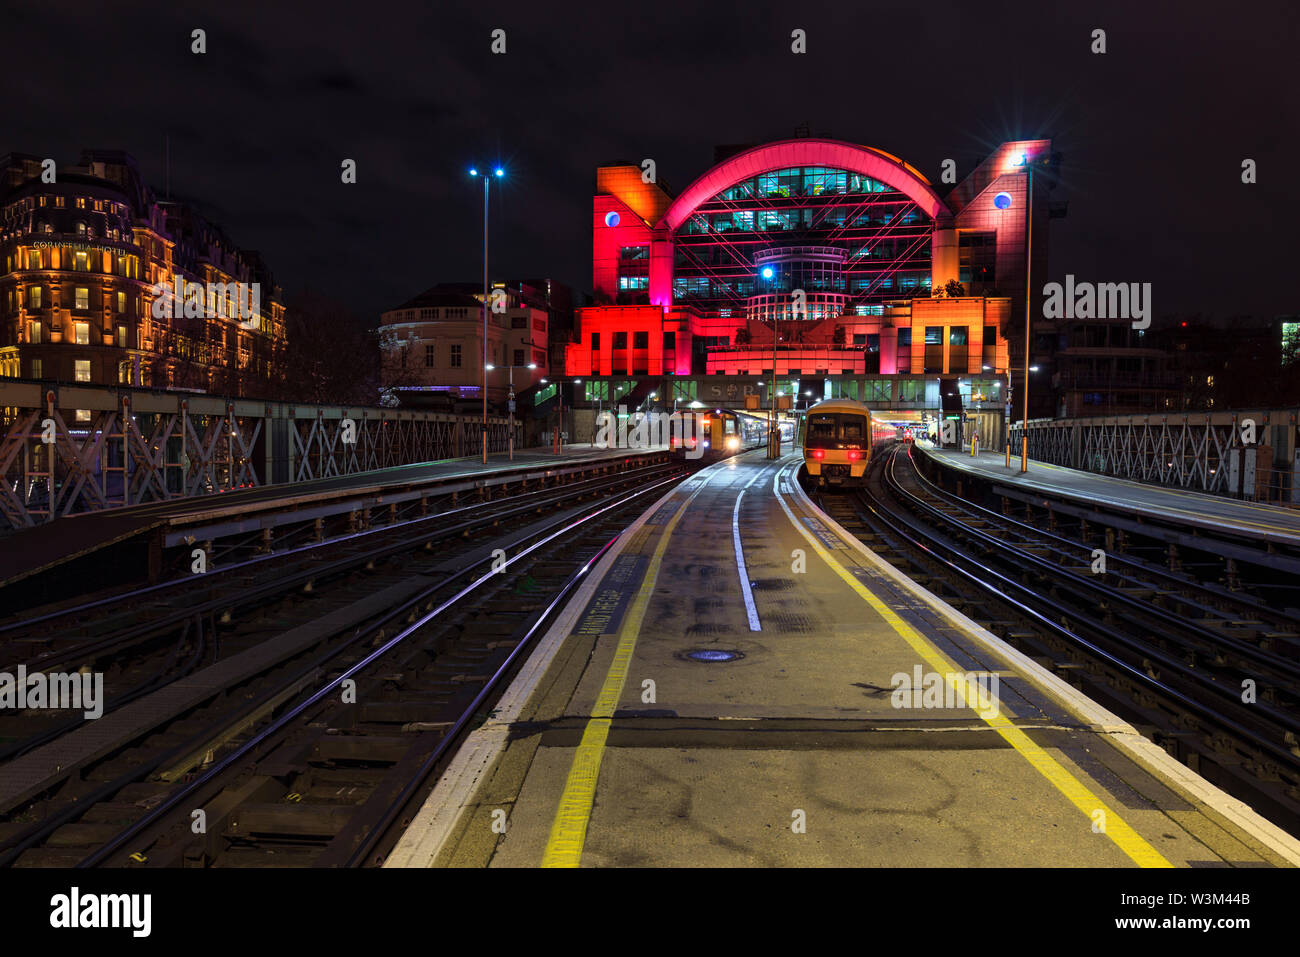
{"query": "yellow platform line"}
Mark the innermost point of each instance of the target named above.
(569, 829)
(1128, 840)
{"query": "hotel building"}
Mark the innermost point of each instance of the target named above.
(84, 258)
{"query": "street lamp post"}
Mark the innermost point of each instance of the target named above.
(486, 179)
(1029, 296)
(773, 436)
(511, 406)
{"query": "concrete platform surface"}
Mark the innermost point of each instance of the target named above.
(1250, 519)
(614, 747)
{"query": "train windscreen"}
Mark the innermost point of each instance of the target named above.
(836, 430)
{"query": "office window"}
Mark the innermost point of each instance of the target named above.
(519, 358)
(670, 342)
(81, 333)
(518, 322)
(35, 296)
(595, 342)
(640, 340)
(82, 297)
(455, 356)
(428, 357)
(82, 370)
(620, 340)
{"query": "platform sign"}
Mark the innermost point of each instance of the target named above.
(1250, 457)
(1234, 471)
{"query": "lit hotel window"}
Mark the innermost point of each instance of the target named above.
(34, 337)
(81, 261)
(121, 337)
(82, 373)
(81, 230)
(81, 202)
(121, 302)
(35, 294)
(34, 257)
(81, 333)
(38, 369)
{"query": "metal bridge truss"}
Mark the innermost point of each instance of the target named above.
(1184, 451)
(69, 449)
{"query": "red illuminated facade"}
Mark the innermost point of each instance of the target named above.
(847, 254)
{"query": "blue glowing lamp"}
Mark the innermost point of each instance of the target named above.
(1002, 200)
(767, 272)
(500, 171)
(473, 171)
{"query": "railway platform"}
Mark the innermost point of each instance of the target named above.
(740, 682)
(30, 551)
(1246, 519)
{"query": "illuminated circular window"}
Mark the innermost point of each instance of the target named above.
(1002, 200)
(611, 218)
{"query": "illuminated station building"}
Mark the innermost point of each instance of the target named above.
(83, 258)
(847, 254)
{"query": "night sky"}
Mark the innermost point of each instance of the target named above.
(1154, 131)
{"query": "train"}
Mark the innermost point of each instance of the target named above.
(837, 442)
(720, 433)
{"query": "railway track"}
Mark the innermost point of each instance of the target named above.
(1211, 674)
(307, 713)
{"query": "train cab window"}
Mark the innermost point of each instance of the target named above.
(826, 429)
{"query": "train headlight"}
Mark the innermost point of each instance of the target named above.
(733, 443)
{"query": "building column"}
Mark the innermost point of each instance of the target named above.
(888, 350)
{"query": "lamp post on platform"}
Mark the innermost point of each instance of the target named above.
(486, 366)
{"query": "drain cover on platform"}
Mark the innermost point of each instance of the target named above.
(713, 654)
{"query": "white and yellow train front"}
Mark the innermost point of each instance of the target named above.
(837, 442)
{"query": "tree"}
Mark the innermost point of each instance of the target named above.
(743, 336)
(949, 290)
(333, 357)
(839, 336)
